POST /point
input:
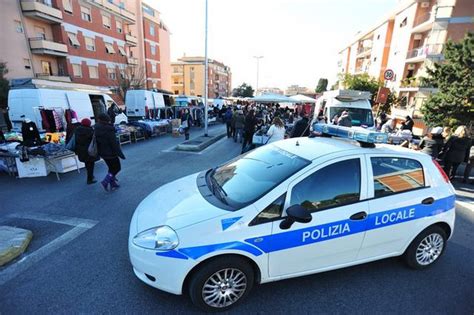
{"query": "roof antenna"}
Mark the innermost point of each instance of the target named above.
(297, 143)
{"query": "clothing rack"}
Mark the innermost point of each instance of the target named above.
(60, 110)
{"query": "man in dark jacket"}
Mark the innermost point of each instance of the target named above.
(228, 121)
(239, 123)
(108, 149)
(82, 138)
(409, 123)
(301, 128)
(249, 129)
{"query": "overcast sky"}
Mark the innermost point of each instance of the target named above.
(299, 39)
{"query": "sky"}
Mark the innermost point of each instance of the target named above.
(298, 39)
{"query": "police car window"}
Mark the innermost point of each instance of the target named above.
(248, 178)
(395, 175)
(332, 186)
(270, 213)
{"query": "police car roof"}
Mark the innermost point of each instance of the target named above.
(313, 148)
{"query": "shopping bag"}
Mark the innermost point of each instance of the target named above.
(92, 149)
(71, 145)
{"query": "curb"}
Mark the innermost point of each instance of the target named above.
(13, 242)
(190, 145)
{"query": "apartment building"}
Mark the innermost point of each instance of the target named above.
(188, 77)
(414, 35)
(93, 42)
(296, 89)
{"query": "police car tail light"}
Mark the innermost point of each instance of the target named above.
(157, 238)
(440, 169)
(360, 135)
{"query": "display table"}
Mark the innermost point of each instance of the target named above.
(124, 137)
(63, 163)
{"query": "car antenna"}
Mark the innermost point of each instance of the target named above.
(297, 143)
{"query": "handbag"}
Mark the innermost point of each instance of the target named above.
(71, 145)
(184, 124)
(92, 149)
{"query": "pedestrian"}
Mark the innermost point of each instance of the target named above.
(228, 121)
(446, 133)
(112, 111)
(276, 131)
(239, 123)
(456, 150)
(409, 123)
(345, 120)
(301, 127)
(433, 142)
(249, 129)
(469, 165)
(108, 148)
(389, 126)
(186, 123)
(82, 138)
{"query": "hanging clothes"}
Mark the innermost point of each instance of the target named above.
(58, 121)
(50, 120)
(30, 134)
(44, 120)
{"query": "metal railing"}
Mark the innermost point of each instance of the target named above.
(433, 49)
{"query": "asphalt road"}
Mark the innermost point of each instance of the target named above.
(81, 265)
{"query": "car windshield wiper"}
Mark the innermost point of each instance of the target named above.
(221, 194)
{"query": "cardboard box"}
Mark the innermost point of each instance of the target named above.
(35, 167)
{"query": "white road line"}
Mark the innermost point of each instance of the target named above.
(25, 263)
(79, 226)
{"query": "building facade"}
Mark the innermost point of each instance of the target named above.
(94, 42)
(296, 89)
(269, 90)
(408, 42)
(187, 77)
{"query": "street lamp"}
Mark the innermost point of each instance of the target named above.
(258, 65)
(206, 69)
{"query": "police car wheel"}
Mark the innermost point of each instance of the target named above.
(221, 283)
(426, 248)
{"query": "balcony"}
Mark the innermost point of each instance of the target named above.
(116, 9)
(41, 46)
(132, 61)
(421, 53)
(415, 84)
(131, 39)
(424, 22)
(363, 52)
(41, 10)
(53, 77)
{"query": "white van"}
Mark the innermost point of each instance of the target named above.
(357, 103)
(139, 101)
(26, 103)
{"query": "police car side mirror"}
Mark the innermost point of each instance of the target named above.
(295, 213)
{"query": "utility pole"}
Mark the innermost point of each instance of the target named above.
(258, 66)
(206, 75)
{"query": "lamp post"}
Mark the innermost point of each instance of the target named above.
(206, 74)
(258, 66)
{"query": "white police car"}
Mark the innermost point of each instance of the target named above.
(292, 208)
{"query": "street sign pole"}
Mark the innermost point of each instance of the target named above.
(206, 66)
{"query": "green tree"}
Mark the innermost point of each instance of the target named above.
(452, 105)
(244, 90)
(4, 85)
(322, 85)
(360, 82)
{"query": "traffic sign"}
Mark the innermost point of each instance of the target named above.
(388, 74)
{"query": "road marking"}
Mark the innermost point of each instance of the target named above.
(79, 227)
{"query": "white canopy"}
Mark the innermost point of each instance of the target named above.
(272, 98)
(302, 99)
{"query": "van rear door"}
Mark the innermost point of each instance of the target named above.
(81, 104)
(159, 100)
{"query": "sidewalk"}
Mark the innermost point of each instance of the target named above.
(464, 195)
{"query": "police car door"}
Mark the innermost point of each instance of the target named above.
(334, 192)
(399, 192)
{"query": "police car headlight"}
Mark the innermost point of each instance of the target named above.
(158, 238)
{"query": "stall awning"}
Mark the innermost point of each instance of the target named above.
(300, 98)
(272, 98)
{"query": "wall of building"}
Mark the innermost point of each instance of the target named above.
(165, 59)
(378, 50)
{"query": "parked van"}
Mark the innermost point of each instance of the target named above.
(184, 100)
(26, 103)
(139, 102)
(357, 103)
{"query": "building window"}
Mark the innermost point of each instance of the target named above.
(46, 67)
(375, 58)
(73, 41)
(93, 72)
(378, 36)
(122, 74)
(40, 32)
(90, 43)
(122, 50)
(18, 26)
(404, 22)
(86, 14)
(148, 10)
(152, 30)
(27, 63)
(67, 4)
(109, 48)
(77, 70)
(153, 68)
(111, 73)
(106, 21)
(119, 26)
(153, 49)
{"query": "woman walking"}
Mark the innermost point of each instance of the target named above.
(186, 123)
(276, 131)
(83, 137)
(432, 143)
(108, 149)
(455, 151)
(249, 129)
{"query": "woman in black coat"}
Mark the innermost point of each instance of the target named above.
(83, 137)
(108, 149)
(456, 151)
(250, 124)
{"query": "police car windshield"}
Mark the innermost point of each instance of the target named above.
(246, 179)
(359, 116)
